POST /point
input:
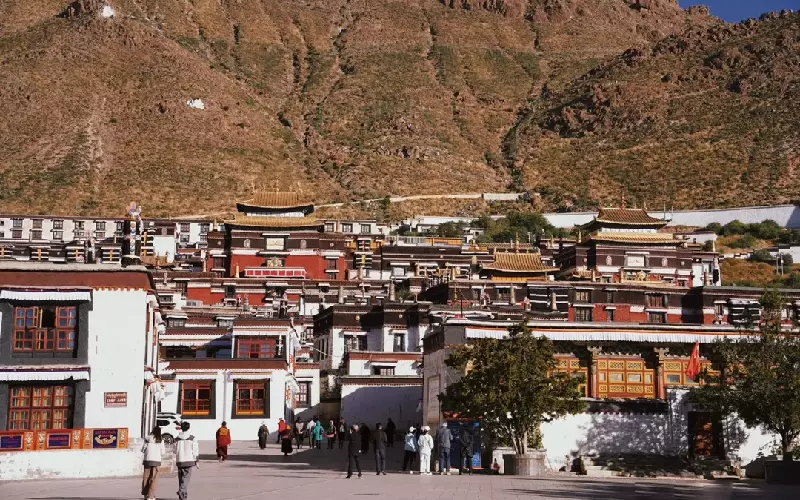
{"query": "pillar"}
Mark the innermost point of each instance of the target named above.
(594, 378)
(511, 292)
(661, 356)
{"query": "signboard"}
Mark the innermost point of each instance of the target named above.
(275, 244)
(12, 442)
(105, 438)
(433, 400)
(56, 440)
(116, 399)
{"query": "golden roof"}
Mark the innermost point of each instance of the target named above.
(519, 262)
(278, 199)
(244, 220)
(634, 216)
(631, 237)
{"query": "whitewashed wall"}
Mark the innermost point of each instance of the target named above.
(69, 464)
(117, 342)
(364, 367)
(372, 404)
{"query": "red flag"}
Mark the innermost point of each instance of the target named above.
(693, 370)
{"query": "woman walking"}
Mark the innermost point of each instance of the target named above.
(318, 433)
(331, 434)
(286, 441)
(223, 441)
(410, 450)
(263, 434)
(299, 432)
(425, 445)
(153, 450)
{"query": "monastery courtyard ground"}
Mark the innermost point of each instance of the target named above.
(319, 475)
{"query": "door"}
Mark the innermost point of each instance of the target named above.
(705, 435)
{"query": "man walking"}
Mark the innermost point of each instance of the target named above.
(342, 432)
(353, 449)
(443, 439)
(466, 451)
(299, 432)
(223, 441)
(187, 452)
(379, 445)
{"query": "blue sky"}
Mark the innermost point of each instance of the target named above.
(739, 10)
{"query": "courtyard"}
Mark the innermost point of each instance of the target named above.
(251, 473)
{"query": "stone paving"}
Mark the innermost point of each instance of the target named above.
(252, 473)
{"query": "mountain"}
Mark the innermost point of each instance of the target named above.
(581, 101)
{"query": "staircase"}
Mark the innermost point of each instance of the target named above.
(635, 465)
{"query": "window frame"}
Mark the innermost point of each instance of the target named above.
(583, 296)
(303, 399)
(383, 370)
(196, 386)
(662, 317)
(584, 314)
(30, 409)
(58, 224)
(62, 336)
(252, 410)
(16, 234)
(260, 342)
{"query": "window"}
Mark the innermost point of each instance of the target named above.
(196, 399)
(100, 235)
(365, 229)
(347, 228)
(576, 368)
(257, 348)
(399, 342)
(398, 271)
(120, 226)
(251, 398)
(612, 314)
(656, 301)
(719, 309)
(58, 235)
(332, 264)
(656, 317)
(58, 224)
(37, 223)
(79, 225)
(204, 227)
(16, 223)
(355, 343)
(625, 378)
(184, 238)
(303, 397)
(675, 372)
(40, 407)
(609, 297)
(583, 314)
(45, 329)
(173, 322)
(79, 234)
(100, 226)
(16, 234)
(330, 227)
(383, 370)
(224, 322)
(184, 227)
(583, 296)
(203, 237)
(36, 234)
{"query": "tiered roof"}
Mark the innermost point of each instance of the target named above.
(519, 263)
(276, 201)
(282, 222)
(628, 216)
(634, 238)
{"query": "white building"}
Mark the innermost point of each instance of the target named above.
(77, 366)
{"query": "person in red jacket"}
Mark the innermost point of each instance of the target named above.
(223, 441)
(282, 426)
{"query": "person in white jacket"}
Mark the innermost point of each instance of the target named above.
(187, 452)
(425, 446)
(153, 450)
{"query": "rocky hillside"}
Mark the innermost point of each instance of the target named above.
(580, 100)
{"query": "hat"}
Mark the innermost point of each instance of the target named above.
(411, 429)
(444, 424)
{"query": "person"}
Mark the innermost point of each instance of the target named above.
(331, 434)
(410, 453)
(153, 450)
(263, 434)
(443, 439)
(319, 431)
(299, 432)
(365, 438)
(390, 430)
(187, 452)
(425, 447)
(281, 426)
(466, 451)
(286, 441)
(223, 441)
(379, 445)
(342, 432)
(310, 431)
(352, 452)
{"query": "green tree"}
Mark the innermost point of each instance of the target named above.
(766, 230)
(450, 230)
(734, 227)
(760, 376)
(714, 226)
(512, 386)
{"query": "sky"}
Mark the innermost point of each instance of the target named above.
(739, 10)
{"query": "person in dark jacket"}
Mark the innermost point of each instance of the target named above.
(353, 451)
(379, 445)
(443, 439)
(263, 435)
(390, 430)
(466, 451)
(342, 432)
(365, 437)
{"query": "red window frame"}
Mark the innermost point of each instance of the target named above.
(31, 336)
(303, 397)
(251, 398)
(196, 399)
(38, 407)
(256, 348)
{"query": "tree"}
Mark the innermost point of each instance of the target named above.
(734, 227)
(450, 230)
(760, 377)
(512, 386)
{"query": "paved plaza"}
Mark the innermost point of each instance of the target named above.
(252, 473)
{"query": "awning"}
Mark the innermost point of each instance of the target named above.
(46, 295)
(41, 375)
(676, 338)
